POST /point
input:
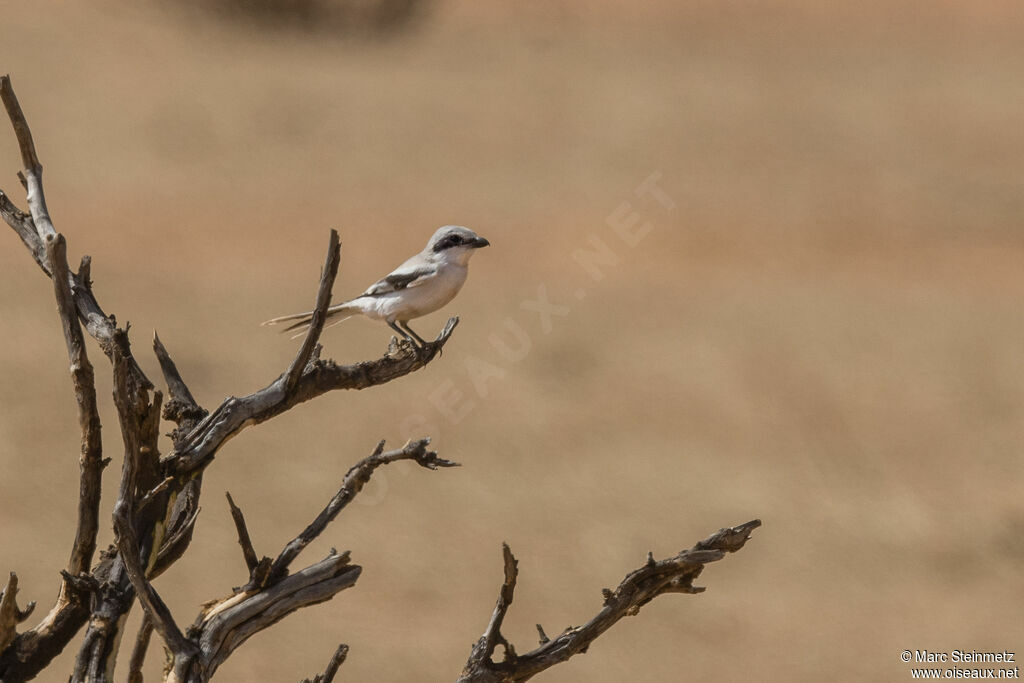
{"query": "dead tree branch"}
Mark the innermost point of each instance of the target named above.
(181, 408)
(32, 176)
(139, 651)
(139, 419)
(316, 325)
(128, 543)
(353, 483)
(332, 667)
(248, 552)
(10, 615)
(271, 592)
(164, 504)
(82, 377)
(673, 575)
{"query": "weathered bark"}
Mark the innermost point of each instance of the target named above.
(673, 575)
(271, 592)
(332, 667)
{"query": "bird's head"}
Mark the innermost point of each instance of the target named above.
(455, 243)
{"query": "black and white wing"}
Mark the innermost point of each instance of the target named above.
(402, 278)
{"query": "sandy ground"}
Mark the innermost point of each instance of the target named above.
(821, 326)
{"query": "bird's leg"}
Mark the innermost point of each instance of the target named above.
(405, 326)
(402, 333)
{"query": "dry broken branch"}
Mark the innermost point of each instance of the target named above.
(139, 651)
(10, 615)
(353, 483)
(673, 575)
(332, 667)
(128, 543)
(91, 461)
(271, 592)
(316, 324)
(248, 552)
(180, 408)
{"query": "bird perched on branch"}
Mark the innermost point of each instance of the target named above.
(421, 285)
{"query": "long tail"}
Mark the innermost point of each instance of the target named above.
(301, 321)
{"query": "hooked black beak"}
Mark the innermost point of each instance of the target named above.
(480, 242)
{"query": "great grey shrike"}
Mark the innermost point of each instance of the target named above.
(421, 285)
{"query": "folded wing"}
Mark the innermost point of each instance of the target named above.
(401, 279)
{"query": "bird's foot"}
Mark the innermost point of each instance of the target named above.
(398, 346)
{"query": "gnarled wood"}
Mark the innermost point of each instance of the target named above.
(673, 575)
(332, 667)
(271, 593)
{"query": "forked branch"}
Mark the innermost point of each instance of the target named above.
(673, 575)
(271, 592)
(355, 479)
(10, 615)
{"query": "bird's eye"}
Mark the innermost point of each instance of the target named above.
(455, 239)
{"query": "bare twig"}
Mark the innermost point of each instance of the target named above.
(332, 667)
(492, 634)
(10, 615)
(316, 325)
(673, 575)
(139, 651)
(35, 227)
(248, 552)
(91, 461)
(180, 408)
(176, 387)
(352, 484)
(21, 130)
(271, 592)
(32, 175)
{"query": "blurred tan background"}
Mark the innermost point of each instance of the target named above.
(826, 331)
